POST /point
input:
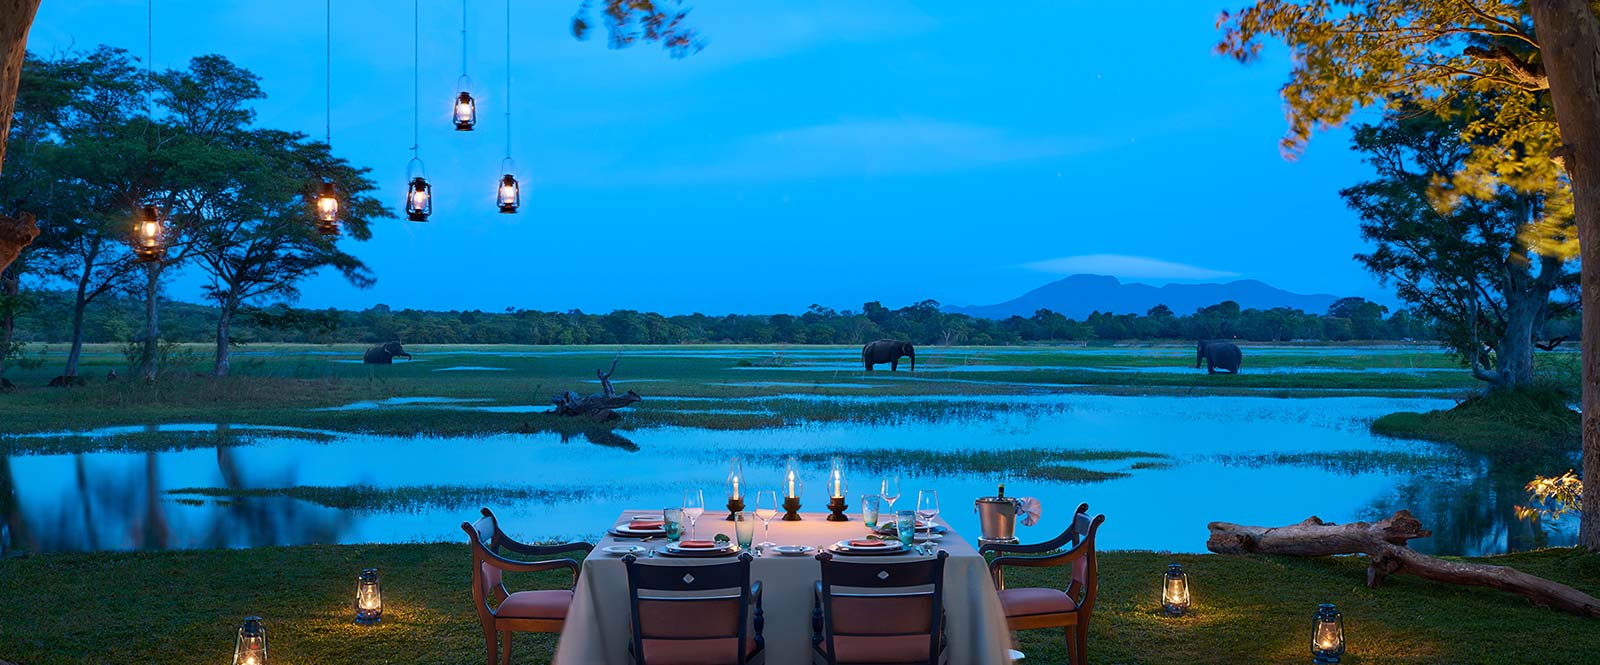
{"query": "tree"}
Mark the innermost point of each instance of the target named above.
(1468, 266)
(17, 228)
(1540, 58)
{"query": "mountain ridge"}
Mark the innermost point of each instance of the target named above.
(1076, 296)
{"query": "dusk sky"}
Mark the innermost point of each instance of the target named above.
(813, 152)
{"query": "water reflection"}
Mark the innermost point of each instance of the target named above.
(119, 500)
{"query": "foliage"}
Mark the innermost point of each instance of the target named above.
(1552, 497)
(1531, 423)
(1246, 609)
(1466, 268)
(630, 21)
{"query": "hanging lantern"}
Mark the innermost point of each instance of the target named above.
(149, 241)
(1327, 634)
(466, 111)
(1175, 590)
(251, 649)
(419, 199)
(369, 598)
(509, 195)
(327, 209)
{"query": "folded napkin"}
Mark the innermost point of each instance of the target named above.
(696, 545)
(646, 524)
(1029, 510)
(869, 543)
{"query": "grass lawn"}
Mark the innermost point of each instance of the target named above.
(183, 607)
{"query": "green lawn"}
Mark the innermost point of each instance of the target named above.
(182, 607)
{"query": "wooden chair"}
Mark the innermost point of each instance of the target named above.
(1051, 608)
(892, 613)
(706, 614)
(523, 611)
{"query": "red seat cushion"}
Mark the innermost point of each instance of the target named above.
(535, 605)
(1023, 602)
(879, 649)
(719, 651)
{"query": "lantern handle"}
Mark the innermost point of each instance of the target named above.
(415, 167)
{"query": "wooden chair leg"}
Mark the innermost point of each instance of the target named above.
(1072, 646)
(505, 648)
(1083, 645)
(489, 637)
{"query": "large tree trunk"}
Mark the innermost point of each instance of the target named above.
(1516, 347)
(1385, 544)
(225, 337)
(16, 17)
(1569, 40)
(10, 289)
(77, 338)
(150, 355)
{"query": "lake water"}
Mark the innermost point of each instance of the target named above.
(1224, 462)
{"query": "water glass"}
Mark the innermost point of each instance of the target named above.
(744, 528)
(905, 524)
(869, 509)
(673, 519)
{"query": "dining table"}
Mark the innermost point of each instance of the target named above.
(598, 625)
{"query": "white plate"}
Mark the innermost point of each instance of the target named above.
(844, 547)
(630, 531)
(672, 549)
(620, 550)
(793, 550)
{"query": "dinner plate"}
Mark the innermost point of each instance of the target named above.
(624, 530)
(844, 547)
(672, 549)
(793, 550)
(621, 550)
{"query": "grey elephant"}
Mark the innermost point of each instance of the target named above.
(384, 354)
(888, 351)
(1218, 356)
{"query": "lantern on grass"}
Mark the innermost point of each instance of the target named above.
(1175, 590)
(508, 196)
(735, 487)
(327, 209)
(149, 235)
(419, 194)
(369, 598)
(251, 649)
(1327, 634)
(466, 109)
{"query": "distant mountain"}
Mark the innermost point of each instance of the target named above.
(1078, 295)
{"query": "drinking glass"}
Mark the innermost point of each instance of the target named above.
(766, 509)
(673, 523)
(928, 505)
(905, 524)
(694, 505)
(744, 528)
(890, 490)
(869, 509)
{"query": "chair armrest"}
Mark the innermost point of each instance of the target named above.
(544, 550)
(514, 566)
(997, 565)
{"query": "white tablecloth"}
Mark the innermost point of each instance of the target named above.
(597, 629)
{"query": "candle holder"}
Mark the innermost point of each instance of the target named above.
(734, 506)
(836, 507)
(791, 506)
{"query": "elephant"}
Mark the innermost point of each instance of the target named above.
(384, 354)
(1217, 355)
(888, 351)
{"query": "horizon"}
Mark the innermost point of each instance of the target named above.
(822, 124)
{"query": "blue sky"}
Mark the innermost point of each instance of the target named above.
(814, 152)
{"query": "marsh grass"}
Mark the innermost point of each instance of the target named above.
(1352, 462)
(366, 498)
(1051, 464)
(1513, 424)
(73, 608)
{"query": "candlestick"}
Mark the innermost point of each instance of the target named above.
(791, 506)
(836, 509)
(735, 505)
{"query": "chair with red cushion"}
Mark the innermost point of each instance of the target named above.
(879, 612)
(707, 614)
(502, 612)
(1052, 608)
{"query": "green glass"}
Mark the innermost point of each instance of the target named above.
(869, 509)
(744, 527)
(905, 524)
(674, 523)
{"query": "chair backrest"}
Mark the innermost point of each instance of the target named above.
(1086, 568)
(869, 600)
(704, 605)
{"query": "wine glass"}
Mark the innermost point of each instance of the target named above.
(928, 505)
(766, 509)
(694, 505)
(890, 490)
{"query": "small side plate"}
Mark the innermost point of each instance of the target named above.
(621, 550)
(793, 550)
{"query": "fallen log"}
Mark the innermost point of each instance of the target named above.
(1385, 543)
(602, 406)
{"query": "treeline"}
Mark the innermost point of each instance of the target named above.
(118, 320)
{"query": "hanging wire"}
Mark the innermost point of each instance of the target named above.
(416, 76)
(328, 75)
(463, 38)
(507, 100)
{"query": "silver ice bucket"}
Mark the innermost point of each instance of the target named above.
(997, 515)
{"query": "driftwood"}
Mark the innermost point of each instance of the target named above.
(1385, 544)
(602, 406)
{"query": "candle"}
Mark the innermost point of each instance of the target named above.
(791, 493)
(735, 479)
